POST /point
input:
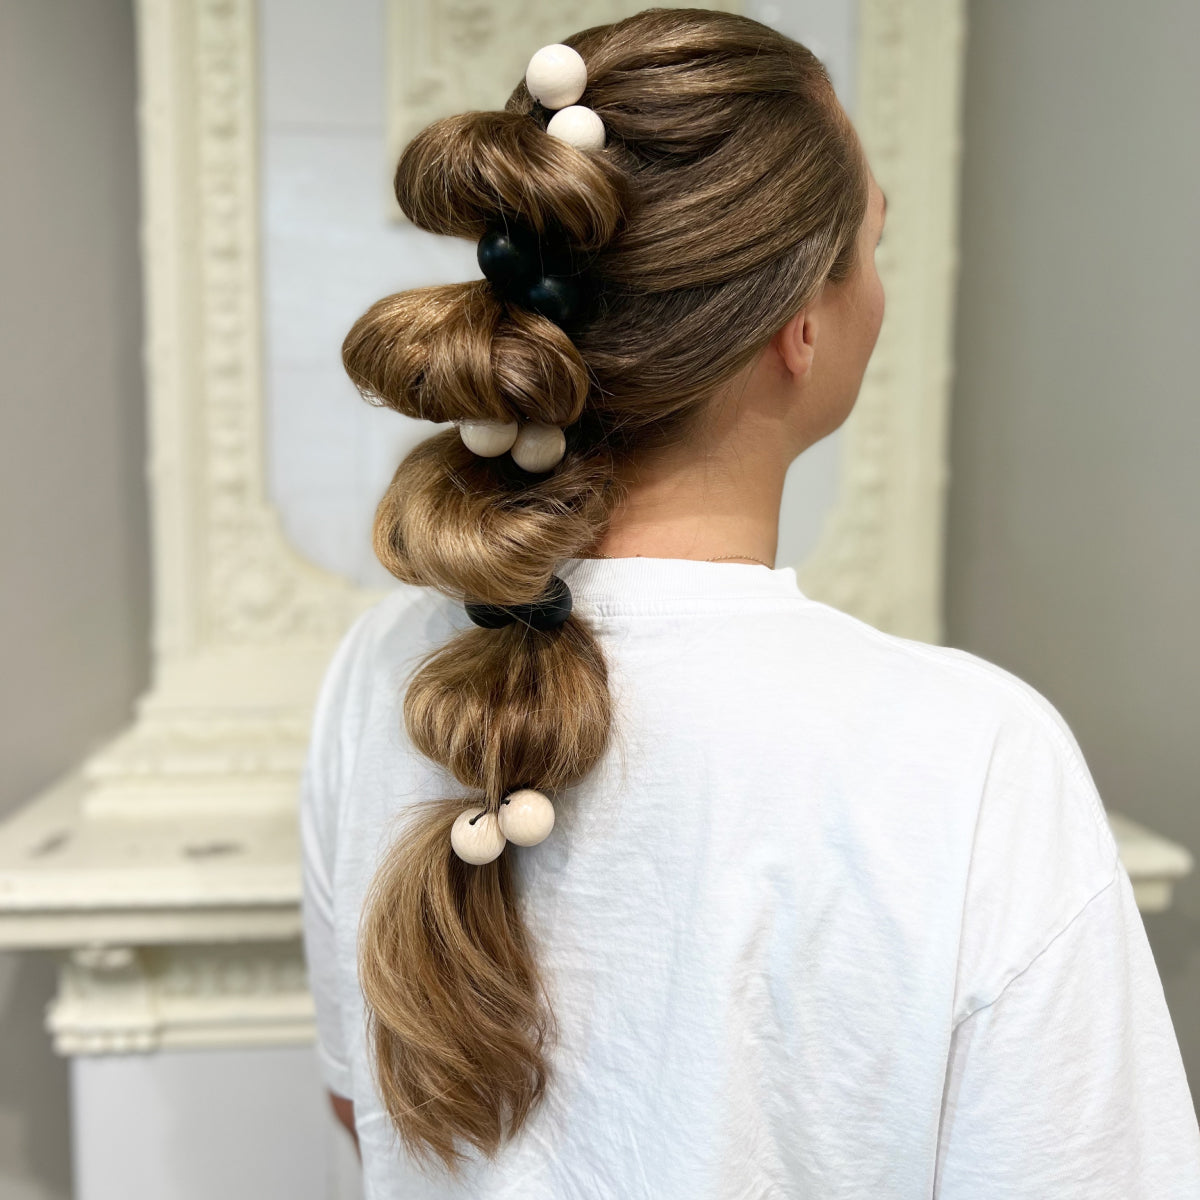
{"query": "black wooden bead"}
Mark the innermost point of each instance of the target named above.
(507, 258)
(555, 297)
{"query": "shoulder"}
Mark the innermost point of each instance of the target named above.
(945, 713)
(1041, 846)
(957, 683)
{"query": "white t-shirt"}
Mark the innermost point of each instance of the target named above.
(839, 915)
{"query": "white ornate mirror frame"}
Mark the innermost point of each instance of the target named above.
(165, 867)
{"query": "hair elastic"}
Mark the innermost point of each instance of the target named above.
(545, 614)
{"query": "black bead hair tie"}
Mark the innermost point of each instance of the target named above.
(542, 274)
(547, 613)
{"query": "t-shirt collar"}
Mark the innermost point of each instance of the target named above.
(645, 584)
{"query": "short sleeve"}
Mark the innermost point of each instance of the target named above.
(1070, 1083)
(1042, 848)
(326, 767)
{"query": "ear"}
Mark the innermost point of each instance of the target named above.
(797, 343)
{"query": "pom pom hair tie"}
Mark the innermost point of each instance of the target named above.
(526, 817)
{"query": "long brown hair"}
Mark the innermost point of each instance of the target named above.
(732, 186)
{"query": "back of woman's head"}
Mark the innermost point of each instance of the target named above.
(730, 189)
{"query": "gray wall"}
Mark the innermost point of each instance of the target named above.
(75, 607)
(1075, 491)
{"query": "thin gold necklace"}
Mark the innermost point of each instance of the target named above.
(719, 558)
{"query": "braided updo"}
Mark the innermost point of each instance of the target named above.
(731, 187)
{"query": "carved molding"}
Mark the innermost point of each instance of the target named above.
(243, 623)
(239, 610)
(122, 1000)
(253, 587)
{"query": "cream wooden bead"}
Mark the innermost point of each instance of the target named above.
(479, 843)
(539, 447)
(556, 76)
(526, 817)
(488, 438)
(578, 125)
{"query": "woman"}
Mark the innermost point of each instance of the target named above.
(658, 878)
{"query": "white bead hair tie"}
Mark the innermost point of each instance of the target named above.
(535, 445)
(526, 817)
(556, 78)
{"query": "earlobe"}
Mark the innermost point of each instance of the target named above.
(797, 343)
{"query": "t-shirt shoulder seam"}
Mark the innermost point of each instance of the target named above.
(1111, 882)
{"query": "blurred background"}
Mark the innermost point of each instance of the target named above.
(1071, 555)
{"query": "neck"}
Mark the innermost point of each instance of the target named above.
(701, 509)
